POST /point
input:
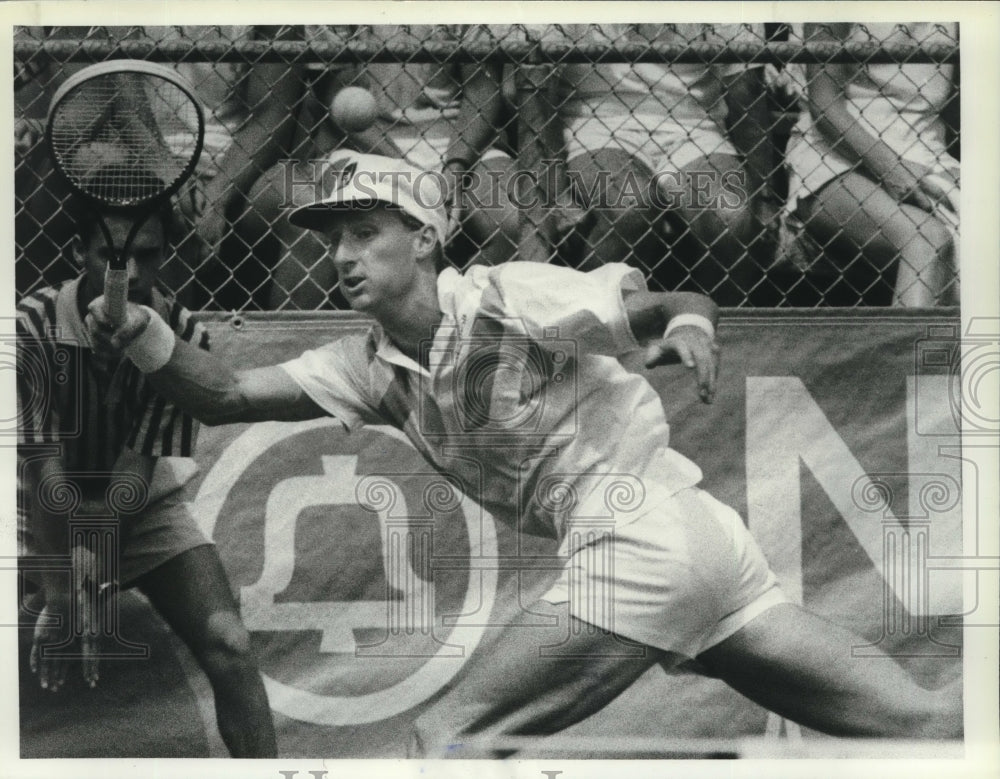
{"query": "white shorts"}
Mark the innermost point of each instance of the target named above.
(665, 148)
(682, 577)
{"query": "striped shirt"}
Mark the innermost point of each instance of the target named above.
(524, 402)
(73, 400)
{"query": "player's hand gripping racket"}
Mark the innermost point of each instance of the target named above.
(126, 135)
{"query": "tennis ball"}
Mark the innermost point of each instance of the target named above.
(353, 109)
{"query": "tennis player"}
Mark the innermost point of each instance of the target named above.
(103, 423)
(688, 581)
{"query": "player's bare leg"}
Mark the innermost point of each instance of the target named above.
(798, 665)
(787, 660)
(192, 593)
(513, 688)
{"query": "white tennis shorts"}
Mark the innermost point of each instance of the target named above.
(682, 577)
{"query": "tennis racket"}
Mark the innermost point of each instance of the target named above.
(126, 135)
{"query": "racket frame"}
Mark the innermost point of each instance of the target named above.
(116, 278)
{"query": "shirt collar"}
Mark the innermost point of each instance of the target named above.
(71, 328)
(386, 350)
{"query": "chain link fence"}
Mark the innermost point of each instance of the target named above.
(768, 165)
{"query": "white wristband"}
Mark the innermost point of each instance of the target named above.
(697, 320)
(151, 349)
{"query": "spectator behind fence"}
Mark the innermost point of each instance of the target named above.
(869, 173)
(250, 112)
(698, 132)
(292, 257)
(439, 117)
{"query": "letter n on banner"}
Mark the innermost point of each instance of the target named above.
(787, 429)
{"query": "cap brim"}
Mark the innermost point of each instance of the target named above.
(315, 215)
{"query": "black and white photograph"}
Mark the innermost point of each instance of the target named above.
(557, 388)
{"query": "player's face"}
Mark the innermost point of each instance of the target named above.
(374, 253)
(145, 256)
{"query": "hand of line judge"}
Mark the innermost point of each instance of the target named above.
(74, 615)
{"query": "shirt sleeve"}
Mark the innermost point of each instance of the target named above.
(161, 429)
(335, 377)
(551, 303)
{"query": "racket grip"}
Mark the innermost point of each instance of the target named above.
(116, 294)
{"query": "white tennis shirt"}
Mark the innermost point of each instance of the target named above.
(524, 401)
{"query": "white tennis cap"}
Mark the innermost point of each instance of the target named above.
(352, 181)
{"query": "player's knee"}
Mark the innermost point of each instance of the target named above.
(227, 647)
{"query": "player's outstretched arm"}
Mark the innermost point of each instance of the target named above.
(199, 382)
(681, 328)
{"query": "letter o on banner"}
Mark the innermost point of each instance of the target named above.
(431, 676)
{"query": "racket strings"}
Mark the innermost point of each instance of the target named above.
(125, 138)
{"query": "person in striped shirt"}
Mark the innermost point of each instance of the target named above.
(91, 432)
(507, 379)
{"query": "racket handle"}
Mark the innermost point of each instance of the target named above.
(116, 294)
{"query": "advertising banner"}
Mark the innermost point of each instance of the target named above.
(367, 580)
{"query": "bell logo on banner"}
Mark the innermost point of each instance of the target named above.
(335, 538)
